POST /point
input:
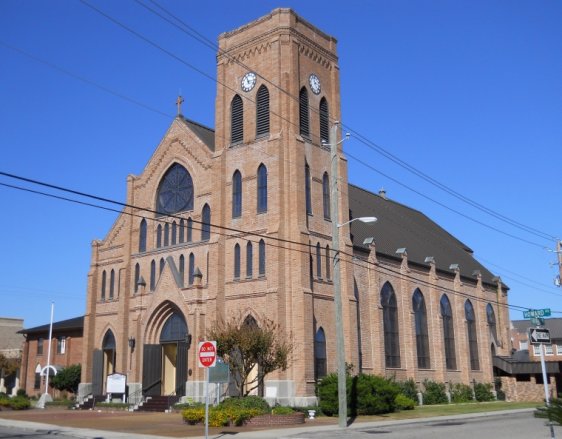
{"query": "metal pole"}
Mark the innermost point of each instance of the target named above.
(206, 403)
(340, 347)
(545, 382)
(559, 253)
(49, 349)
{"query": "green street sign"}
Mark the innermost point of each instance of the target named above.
(536, 313)
(537, 321)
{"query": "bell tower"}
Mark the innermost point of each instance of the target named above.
(278, 95)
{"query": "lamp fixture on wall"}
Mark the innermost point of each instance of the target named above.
(132, 342)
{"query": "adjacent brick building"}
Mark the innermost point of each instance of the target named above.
(11, 343)
(66, 350)
(236, 221)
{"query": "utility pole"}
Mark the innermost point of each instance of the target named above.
(559, 253)
(340, 345)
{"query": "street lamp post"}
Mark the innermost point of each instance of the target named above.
(340, 345)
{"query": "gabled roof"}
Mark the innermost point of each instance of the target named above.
(207, 135)
(62, 326)
(554, 325)
(400, 226)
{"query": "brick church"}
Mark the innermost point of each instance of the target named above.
(236, 221)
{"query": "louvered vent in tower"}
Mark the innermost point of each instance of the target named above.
(237, 120)
(262, 112)
(303, 114)
(324, 125)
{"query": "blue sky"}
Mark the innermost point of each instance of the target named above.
(468, 92)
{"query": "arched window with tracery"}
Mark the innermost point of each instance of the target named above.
(491, 318)
(390, 323)
(422, 335)
(472, 337)
(206, 223)
(448, 333)
(175, 192)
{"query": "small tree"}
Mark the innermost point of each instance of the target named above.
(245, 346)
(67, 379)
(9, 365)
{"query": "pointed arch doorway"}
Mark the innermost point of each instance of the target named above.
(103, 363)
(165, 363)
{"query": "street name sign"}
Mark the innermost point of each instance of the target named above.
(536, 313)
(207, 353)
(539, 335)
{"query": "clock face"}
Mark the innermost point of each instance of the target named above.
(248, 81)
(314, 83)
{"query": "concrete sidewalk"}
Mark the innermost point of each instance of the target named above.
(90, 433)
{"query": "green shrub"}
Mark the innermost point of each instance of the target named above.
(500, 394)
(282, 410)
(372, 395)
(247, 402)
(483, 392)
(4, 400)
(21, 392)
(409, 389)
(461, 393)
(553, 412)
(402, 402)
(20, 403)
(327, 392)
(193, 415)
(434, 393)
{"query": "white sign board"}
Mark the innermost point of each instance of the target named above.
(116, 383)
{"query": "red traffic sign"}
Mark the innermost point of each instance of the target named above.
(207, 353)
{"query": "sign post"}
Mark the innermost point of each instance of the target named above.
(207, 355)
(541, 336)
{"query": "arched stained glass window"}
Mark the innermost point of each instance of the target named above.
(137, 277)
(236, 194)
(448, 333)
(159, 236)
(175, 193)
(262, 189)
(191, 268)
(182, 231)
(174, 233)
(318, 262)
(206, 226)
(182, 268)
(236, 261)
(175, 329)
(262, 111)
(166, 235)
(472, 337)
(249, 260)
(324, 122)
(304, 118)
(103, 282)
(491, 318)
(326, 195)
(152, 275)
(320, 369)
(142, 236)
(111, 284)
(189, 230)
(236, 120)
(390, 323)
(328, 263)
(261, 264)
(308, 196)
(422, 336)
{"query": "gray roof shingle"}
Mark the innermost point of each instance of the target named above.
(401, 226)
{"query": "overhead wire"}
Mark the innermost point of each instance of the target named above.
(193, 33)
(241, 234)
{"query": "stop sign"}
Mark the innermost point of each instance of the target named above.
(207, 353)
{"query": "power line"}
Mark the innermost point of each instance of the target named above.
(190, 31)
(240, 234)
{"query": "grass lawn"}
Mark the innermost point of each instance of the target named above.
(428, 411)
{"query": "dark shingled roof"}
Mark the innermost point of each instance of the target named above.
(553, 324)
(207, 135)
(400, 226)
(63, 325)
